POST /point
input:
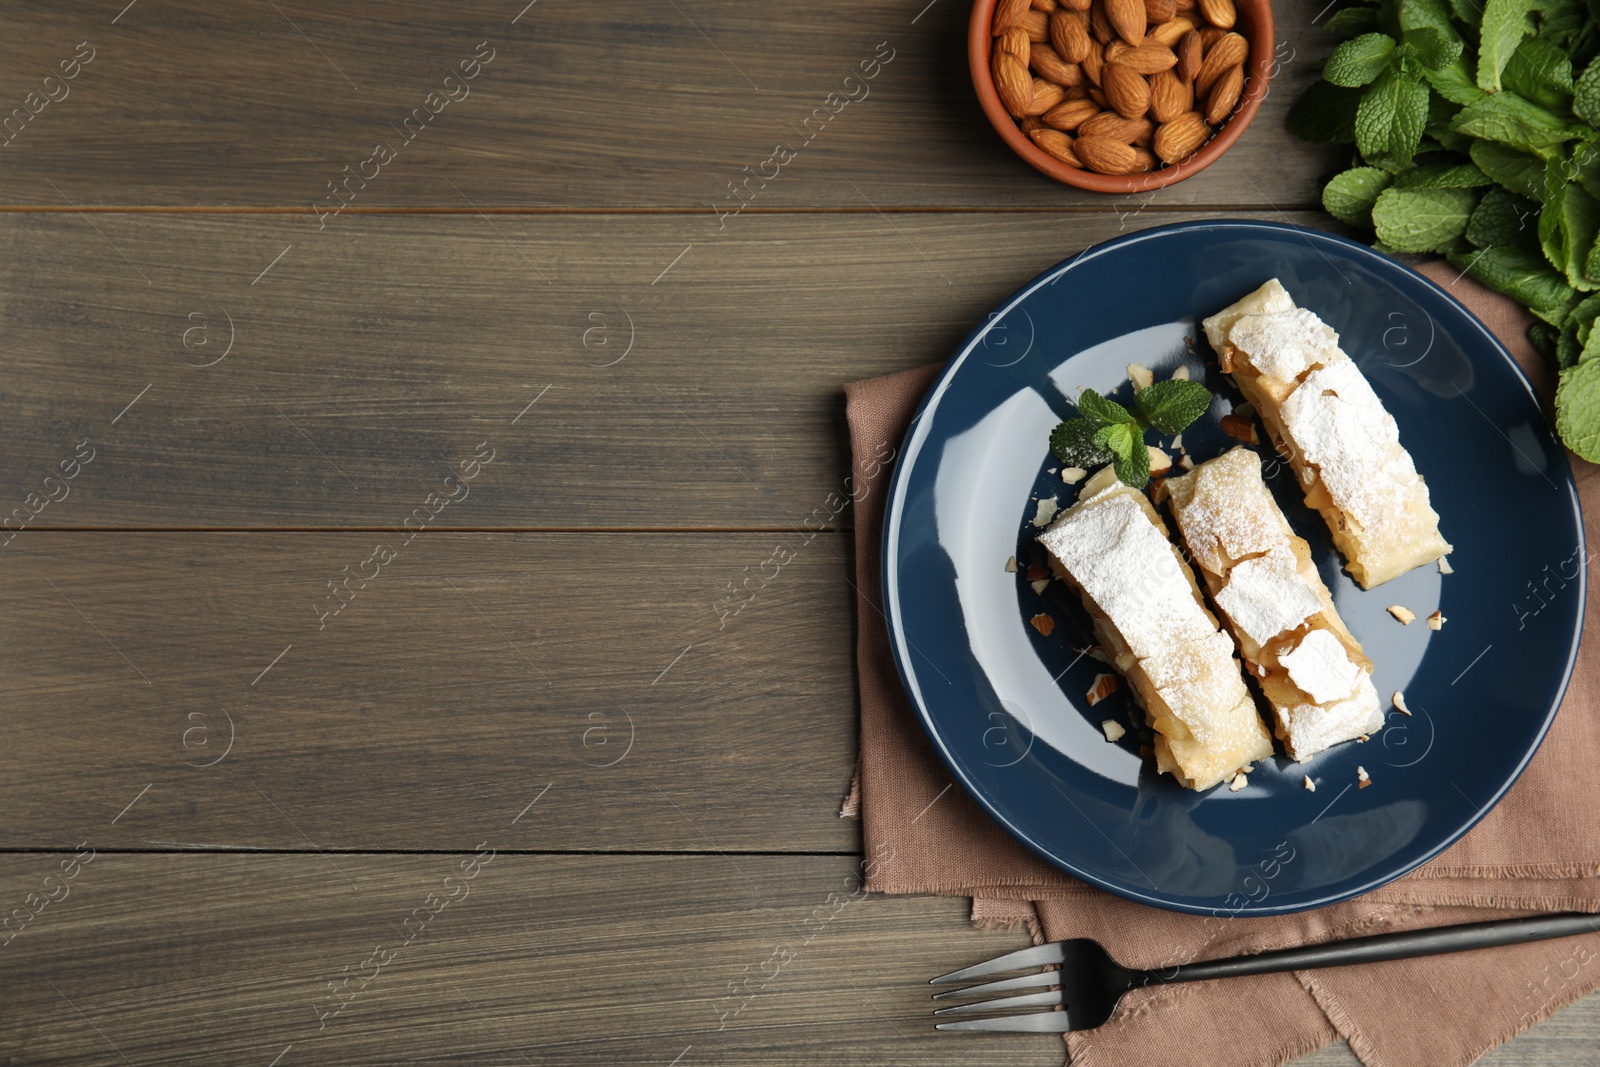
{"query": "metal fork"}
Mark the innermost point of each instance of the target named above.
(1087, 983)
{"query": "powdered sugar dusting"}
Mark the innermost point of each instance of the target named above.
(1286, 344)
(1265, 596)
(1321, 668)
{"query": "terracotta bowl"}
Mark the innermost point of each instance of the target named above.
(1254, 22)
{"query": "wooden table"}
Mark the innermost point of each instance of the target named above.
(405, 481)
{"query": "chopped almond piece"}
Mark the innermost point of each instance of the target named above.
(1073, 475)
(1177, 441)
(1040, 585)
(1444, 566)
(1362, 781)
(1239, 428)
(1140, 376)
(1011, 564)
(1238, 783)
(1160, 462)
(1043, 623)
(1400, 703)
(1436, 621)
(1112, 729)
(1103, 686)
(1182, 373)
(1096, 652)
(1311, 787)
(1403, 613)
(1187, 462)
(1046, 511)
(1225, 359)
(1245, 410)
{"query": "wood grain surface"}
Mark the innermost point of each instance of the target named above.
(371, 357)
(631, 103)
(371, 522)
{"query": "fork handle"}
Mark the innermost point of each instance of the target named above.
(1380, 947)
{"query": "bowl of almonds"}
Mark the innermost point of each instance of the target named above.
(1120, 96)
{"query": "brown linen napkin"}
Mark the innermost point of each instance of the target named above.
(1539, 850)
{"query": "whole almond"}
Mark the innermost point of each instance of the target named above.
(1047, 64)
(1037, 23)
(1016, 42)
(1142, 161)
(1229, 51)
(1127, 17)
(1169, 32)
(1190, 54)
(1094, 62)
(1057, 144)
(1181, 138)
(1070, 114)
(1008, 13)
(1169, 97)
(1013, 83)
(1100, 26)
(1159, 11)
(1047, 6)
(1218, 12)
(1148, 58)
(1105, 155)
(1224, 95)
(1209, 35)
(1069, 35)
(1126, 90)
(1112, 125)
(1046, 95)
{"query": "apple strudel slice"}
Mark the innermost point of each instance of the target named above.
(1266, 588)
(1322, 414)
(1113, 549)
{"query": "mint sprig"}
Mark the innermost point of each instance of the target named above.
(1475, 127)
(1106, 432)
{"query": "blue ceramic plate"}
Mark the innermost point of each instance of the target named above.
(1006, 707)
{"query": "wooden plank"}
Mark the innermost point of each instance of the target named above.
(472, 673)
(534, 959)
(677, 383)
(636, 104)
(538, 959)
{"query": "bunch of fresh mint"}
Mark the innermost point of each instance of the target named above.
(1107, 432)
(1477, 127)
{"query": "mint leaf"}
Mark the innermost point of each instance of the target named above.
(1468, 11)
(1351, 21)
(1522, 274)
(1390, 118)
(1359, 60)
(1454, 82)
(1540, 72)
(1586, 94)
(1422, 220)
(1133, 467)
(1098, 408)
(1116, 438)
(1073, 443)
(1349, 196)
(1173, 404)
(1517, 171)
(1325, 114)
(1503, 219)
(1567, 225)
(1431, 48)
(1427, 14)
(1505, 24)
(1578, 409)
(1443, 176)
(1511, 120)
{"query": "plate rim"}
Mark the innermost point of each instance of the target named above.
(911, 446)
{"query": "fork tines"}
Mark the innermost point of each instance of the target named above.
(1053, 1022)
